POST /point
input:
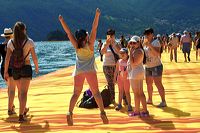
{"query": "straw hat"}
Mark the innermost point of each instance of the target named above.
(7, 32)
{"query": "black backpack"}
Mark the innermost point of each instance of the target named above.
(17, 58)
(105, 94)
(89, 102)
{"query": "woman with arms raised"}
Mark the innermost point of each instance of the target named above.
(85, 66)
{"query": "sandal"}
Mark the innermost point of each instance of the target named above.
(118, 107)
(12, 111)
(22, 119)
(134, 114)
(144, 114)
(104, 117)
(149, 102)
(69, 119)
(26, 111)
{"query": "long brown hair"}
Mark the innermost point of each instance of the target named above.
(19, 34)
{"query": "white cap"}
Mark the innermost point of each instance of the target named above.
(134, 39)
(185, 31)
(158, 35)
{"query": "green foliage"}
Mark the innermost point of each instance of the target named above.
(57, 36)
(126, 16)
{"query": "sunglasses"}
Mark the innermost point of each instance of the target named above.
(133, 43)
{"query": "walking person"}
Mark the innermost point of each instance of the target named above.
(174, 43)
(8, 34)
(85, 66)
(153, 67)
(110, 50)
(136, 76)
(198, 46)
(18, 50)
(121, 75)
(186, 43)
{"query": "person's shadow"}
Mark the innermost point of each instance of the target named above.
(175, 111)
(155, 123)
(27, 126)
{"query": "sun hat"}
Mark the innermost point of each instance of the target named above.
(7, 32)
(134, 39)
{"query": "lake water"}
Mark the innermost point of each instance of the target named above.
(52, 56)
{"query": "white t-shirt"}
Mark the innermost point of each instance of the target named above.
(29, 44)
(108, 57)
(151, 59)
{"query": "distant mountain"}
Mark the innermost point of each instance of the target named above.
(126, 16)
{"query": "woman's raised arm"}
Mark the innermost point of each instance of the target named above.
(93, 33)
(68, 31)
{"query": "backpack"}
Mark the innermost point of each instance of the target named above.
(89, 102)
(105, 94)
(17, 58)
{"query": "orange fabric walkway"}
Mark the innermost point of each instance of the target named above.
(49, 97)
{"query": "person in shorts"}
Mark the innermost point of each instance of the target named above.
(8, 34)
(153, 66)
(23, 75)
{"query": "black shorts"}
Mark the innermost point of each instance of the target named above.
(9, 72)
(24, 72)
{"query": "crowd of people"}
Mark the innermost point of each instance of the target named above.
(127, 63)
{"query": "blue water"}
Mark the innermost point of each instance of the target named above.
(51, 57)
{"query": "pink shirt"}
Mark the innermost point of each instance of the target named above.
(123, 68)
(185, 38)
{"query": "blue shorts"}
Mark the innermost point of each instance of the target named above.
(154, 71)
(186, 48)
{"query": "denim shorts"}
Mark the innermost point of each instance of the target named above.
(24, 72)
(154, 71)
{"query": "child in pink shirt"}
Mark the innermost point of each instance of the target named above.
(121, 75)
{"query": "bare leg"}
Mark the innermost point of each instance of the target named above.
(142, 96)
(185, 57)
(149, 82)
(93, 83)
(11, 92)
(175, 54)
(134, 86)
(121, 90)
(24, 84)
(160, 87)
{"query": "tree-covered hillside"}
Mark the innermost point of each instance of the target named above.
(126, 16)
